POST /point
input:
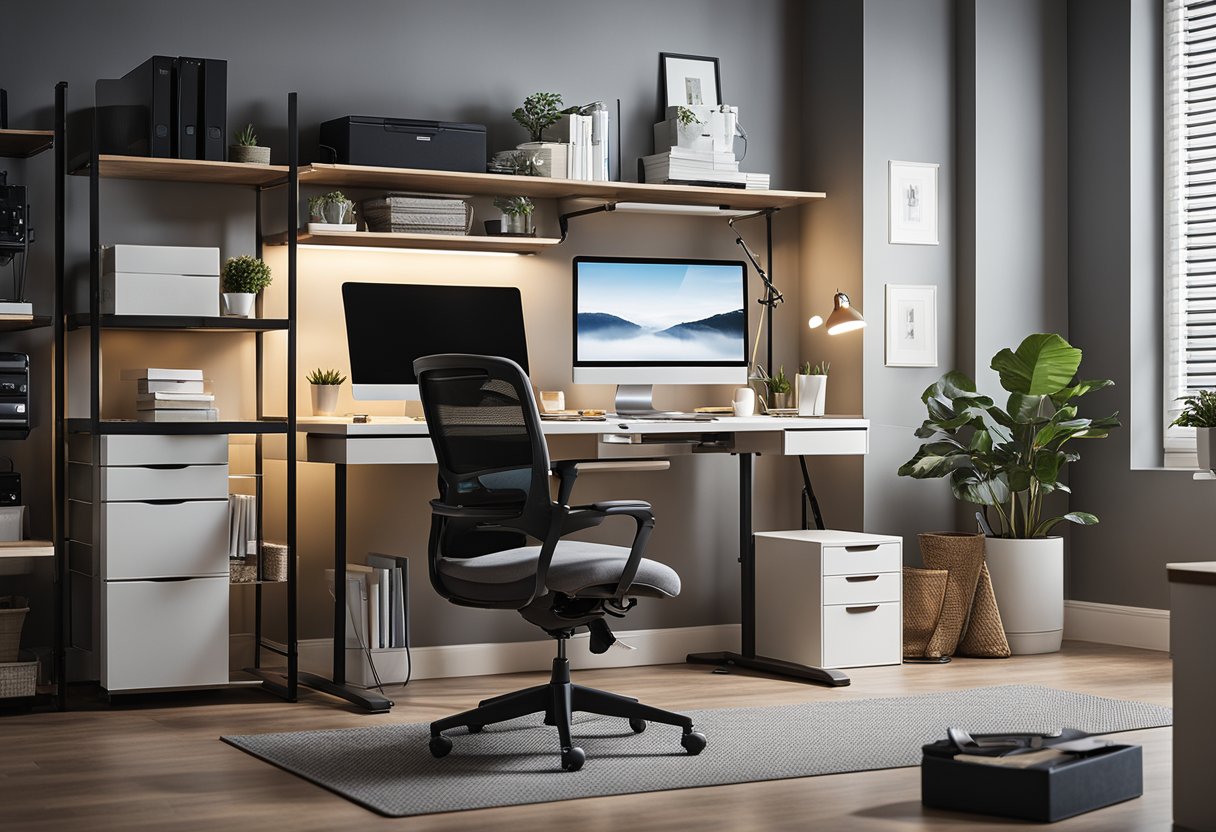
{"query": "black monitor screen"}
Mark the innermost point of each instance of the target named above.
(389, 325)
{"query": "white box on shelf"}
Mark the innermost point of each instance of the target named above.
(149, 293)
(829, 598)
(191, 260)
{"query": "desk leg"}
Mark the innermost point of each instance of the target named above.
(336, 686)
(747, 658)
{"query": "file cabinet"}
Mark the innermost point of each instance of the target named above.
(148, 523)
(829, 598)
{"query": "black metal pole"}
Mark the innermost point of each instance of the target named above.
(58, 436)
(768, 232)
(747, 556)
(340, 600)
(258, 490)
(293, 222)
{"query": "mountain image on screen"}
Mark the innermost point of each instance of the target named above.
(606, 337)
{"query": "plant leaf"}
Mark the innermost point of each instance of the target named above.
(983, 491)
(1025, 409)
(1080, 389)
(1042, 365)
(1081, 518)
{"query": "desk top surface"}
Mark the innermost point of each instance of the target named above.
(406, 426)
(1198, 572)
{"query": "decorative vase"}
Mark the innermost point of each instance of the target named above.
(812, 395)
(338, 213)
(1203, 448)
(325, 399)
(249, 154)
(517, 224)
(780, 401)
(1028, 579)
(238, 304)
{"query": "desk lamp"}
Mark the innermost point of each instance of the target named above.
(844, 317)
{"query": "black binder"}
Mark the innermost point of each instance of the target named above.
(188, 111)
(135, 112)
(215, 110)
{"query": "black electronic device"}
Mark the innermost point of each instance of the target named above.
(14, 395)
(214, 100)
(13, 229)
(135, 112)
(388, 325)
(3, 110)
(10, 487)
(188, 108)
(404, 143)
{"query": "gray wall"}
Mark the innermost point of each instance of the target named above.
(470, 60)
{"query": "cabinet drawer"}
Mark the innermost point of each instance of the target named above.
(164, 540)
(862, 560)
(151, 450)
(189, 482)
(862, 635)
(164, 634)
(874, 588)
(825, 442)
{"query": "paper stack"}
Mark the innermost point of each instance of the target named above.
(710, 167)
(418, 214)
(242, 525)
(578, 148)
(171, 395)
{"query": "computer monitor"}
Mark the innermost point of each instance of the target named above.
(388, 325)
(645, 321)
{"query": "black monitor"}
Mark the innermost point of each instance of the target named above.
(388, 325)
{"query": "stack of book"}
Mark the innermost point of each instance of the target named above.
(418, 214)
(681, 165)
(578, 148)
(171, 395)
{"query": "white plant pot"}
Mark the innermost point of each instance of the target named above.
(238, 304)
(1028, 579)
(812, 395)
(325, 399)
(1203, 448)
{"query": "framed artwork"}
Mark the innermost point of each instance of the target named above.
(911, 326)
(912, 203)
(687, 80)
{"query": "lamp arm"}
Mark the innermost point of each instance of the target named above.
(772, 295)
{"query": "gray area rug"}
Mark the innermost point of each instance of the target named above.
(388, 768)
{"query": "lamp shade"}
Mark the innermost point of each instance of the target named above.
(844, 317)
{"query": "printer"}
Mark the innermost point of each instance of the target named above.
(404, 143)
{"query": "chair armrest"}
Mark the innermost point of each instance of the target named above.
(471, 512)
(642, 515)
(567, 471)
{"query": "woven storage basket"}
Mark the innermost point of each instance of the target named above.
(274, 561)
(242, 570)
(924, 591)
(963, 556)
(18, 679)
(11, 622)
(985, 636)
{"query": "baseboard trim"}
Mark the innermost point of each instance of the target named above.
(1114, 624)
(662, 646)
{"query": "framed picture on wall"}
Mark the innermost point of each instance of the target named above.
(911, 326)
(688, 80)
(912, 203)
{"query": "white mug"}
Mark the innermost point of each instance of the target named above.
(745, 401)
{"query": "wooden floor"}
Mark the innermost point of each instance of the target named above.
(158, 764)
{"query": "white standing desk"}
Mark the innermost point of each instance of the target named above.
(403, 441)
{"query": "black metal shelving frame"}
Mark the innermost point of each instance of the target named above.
(286, 685)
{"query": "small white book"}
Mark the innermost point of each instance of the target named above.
(145, 387)
(209, 414)
(173, 396)
(161, 374)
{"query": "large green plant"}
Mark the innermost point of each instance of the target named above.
(1008, 460)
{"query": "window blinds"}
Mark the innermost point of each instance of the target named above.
(1190, 207)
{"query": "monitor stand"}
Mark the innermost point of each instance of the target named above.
(636, 401)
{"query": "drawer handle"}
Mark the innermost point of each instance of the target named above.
(161, 502)
(867, 547)
(166, 466)
(859, 578)
(866, 608)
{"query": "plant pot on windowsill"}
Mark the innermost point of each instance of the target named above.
(1203, 448)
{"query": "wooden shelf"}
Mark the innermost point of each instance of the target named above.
(438, 242)
(493, 184)
(22, 144)
(187, 170)
(112, 427)
(27, 549)
(81, 320)
(18, 324)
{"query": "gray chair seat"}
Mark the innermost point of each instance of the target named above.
(578, 568)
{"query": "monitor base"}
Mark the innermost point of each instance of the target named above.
(634, 400)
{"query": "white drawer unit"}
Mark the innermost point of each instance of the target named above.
(186, 482)
(829, 598)
(156, 449)
(163, 540)
(164, 634)
(825, 441)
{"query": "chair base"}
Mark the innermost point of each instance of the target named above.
(557, 700)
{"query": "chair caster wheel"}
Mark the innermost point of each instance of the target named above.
(475, 729)
(440, 746)
(638, 725)
(693, 742)
(573, 758)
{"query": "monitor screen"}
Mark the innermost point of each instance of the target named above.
(388, 325)
(637, 320)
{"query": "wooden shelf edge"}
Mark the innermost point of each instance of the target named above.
(433, 242)
(22, 144)
(193, 323)
(155, 169)
(27, 549)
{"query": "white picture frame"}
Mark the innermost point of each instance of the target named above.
(911, 318)
(912, 203)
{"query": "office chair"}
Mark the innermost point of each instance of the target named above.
(494, 494)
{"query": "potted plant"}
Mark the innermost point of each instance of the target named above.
(1199, 412)
(813, 388)
(242, 279)
(246, 149)
(1008, 461)
(780, 391)
(332, 210)
(517, 215)
(540, 110)
(325, 386)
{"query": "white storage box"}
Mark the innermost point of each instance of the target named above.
(177, 260)
(392, 664)
(139, 293)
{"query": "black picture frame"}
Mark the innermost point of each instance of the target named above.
(670, 63)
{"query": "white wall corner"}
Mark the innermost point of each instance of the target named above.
(1114, 624)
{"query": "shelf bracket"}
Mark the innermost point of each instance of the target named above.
(563, 220)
